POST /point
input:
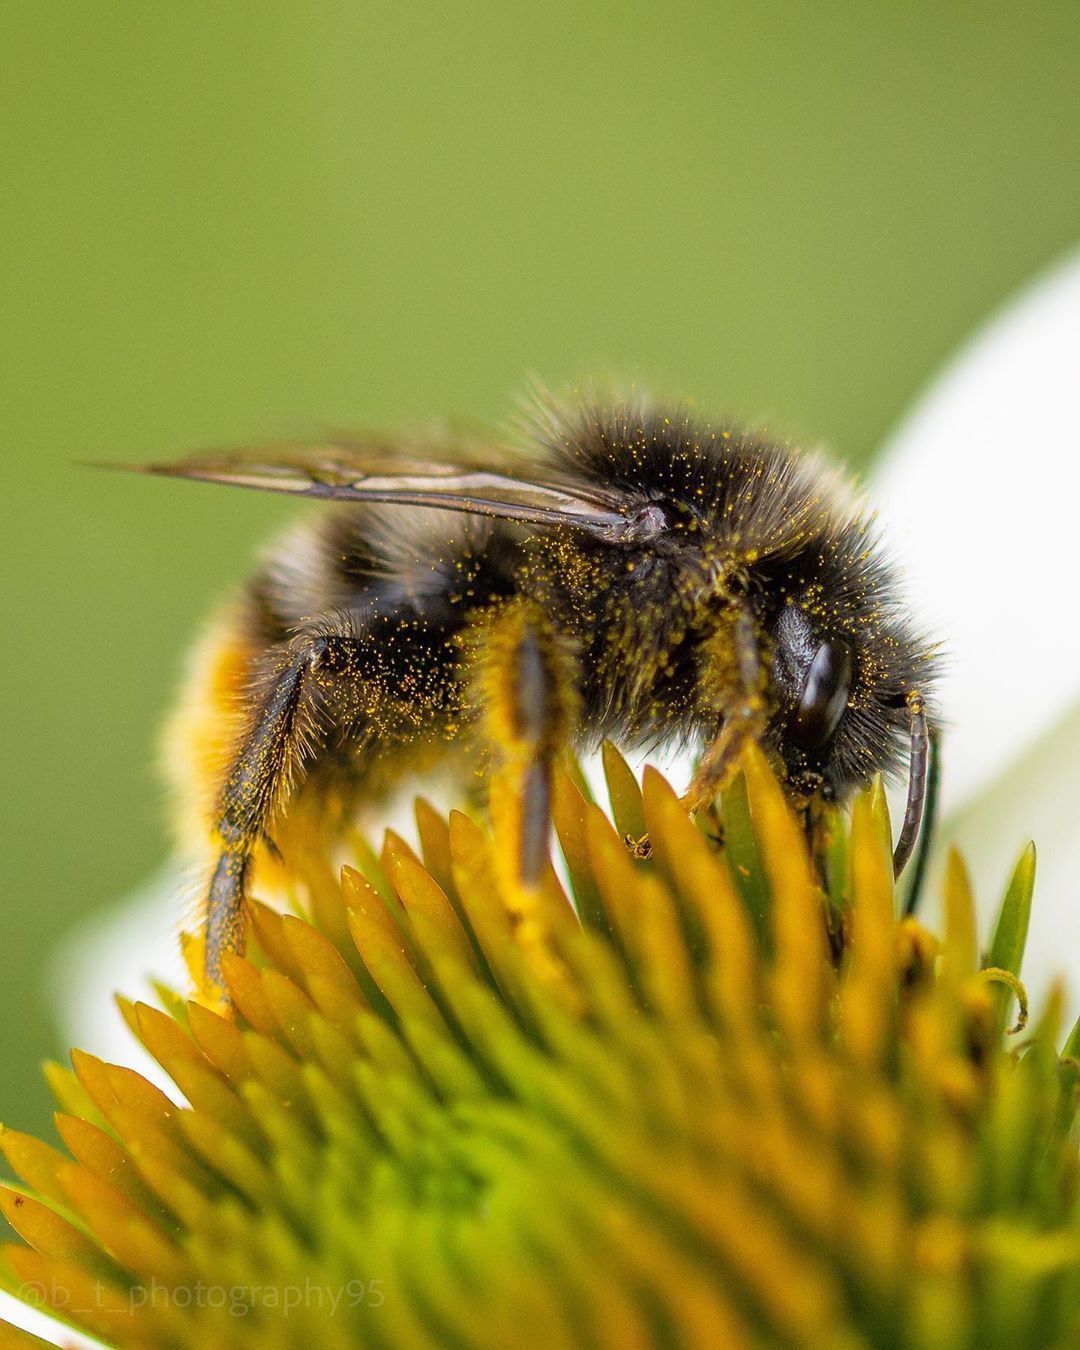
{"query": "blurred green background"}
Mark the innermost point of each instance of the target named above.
(236, 220)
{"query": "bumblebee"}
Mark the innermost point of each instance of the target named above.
(626, 572)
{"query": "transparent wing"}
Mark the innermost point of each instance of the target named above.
(475, 478)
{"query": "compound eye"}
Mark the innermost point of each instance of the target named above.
(823, 696)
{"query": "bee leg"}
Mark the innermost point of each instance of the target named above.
(225, 912)
(526, 690)
(921, 860)
(721, 757)
(312, 689)
(262, 763)
(744, 721)
(535, 821)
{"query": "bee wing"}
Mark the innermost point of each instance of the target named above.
(457, 480)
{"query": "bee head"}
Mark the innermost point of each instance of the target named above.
(813, 675)
(841, 699)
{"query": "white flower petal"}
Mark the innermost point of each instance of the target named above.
(980, 489)
(119, 951)
(28, 1317)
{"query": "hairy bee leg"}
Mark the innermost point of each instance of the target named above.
(744, 723)
(225, 913)
(722, 756)
(279, 743)
(534, 687)
(526, 688)
(535, 821)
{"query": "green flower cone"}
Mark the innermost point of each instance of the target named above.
(701, 1103)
